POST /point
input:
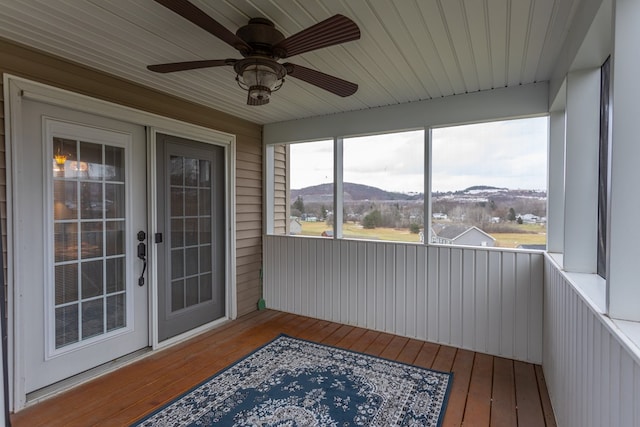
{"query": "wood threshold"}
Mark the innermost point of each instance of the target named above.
(486, 391)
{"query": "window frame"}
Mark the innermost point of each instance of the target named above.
(338, 158)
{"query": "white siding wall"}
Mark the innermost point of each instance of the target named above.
(483, 300)
(593, 380)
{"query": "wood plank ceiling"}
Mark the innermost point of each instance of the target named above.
(410, 50)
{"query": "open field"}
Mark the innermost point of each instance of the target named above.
(532, 234)
(351, 230)
(512, 240)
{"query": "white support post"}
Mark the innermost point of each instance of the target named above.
(269, 163)
(555, 183)
(338, 206)
(581, 171)
(623, 291)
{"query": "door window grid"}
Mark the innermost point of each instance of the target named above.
(89, 250)
(191, 249)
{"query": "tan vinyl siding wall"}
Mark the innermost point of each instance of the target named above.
(280, 190)
(41, 67)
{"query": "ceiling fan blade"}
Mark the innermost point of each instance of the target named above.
(189, 65)
(255, 101)
(324, 81)
(204, 21)
(335, 30)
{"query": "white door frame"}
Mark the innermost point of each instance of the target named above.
(17, 88)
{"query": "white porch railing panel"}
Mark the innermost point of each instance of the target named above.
(593, 380)
(484, 300)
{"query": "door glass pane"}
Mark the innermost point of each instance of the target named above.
(114, 200)
(191, 255)
(191, 231)
(91, 279)
(66, 325)
(190, 202)
(91, 239)
(66, 195)
(205, 258)
(65, 241)
(177, 295)
(115, 237)
(190, 172)
(204, 201)
(176, 171)
(65, 156)
(206, 287)
(205, 173)
(177, 233)
(116, 311)
(191, 261)
(89, 223)
(90, 165)
(205, 230)
(114, 163)
(115, 275)
(66, 283)
(92, 318)
(177, 263)
(91, 202)
(177, 201)
(191, 291)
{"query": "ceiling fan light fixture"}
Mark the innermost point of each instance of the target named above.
(260, 77)
(260, 93)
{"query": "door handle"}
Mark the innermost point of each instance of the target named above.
(142, 254)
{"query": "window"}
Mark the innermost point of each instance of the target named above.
(383, 187)
(488, 184)
(311, 188)
(382, 182)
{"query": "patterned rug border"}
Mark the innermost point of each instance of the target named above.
(281, 335)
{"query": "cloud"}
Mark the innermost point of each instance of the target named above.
(311, 163)
(511, 153)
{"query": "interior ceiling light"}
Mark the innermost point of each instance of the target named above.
(262, 46)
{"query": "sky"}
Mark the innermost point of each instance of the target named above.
(511, 154)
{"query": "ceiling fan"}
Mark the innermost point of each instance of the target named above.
(261, 46)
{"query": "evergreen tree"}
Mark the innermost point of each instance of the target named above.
(372, 220)
(298, 205)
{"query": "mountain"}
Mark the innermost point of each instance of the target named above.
(323, 193)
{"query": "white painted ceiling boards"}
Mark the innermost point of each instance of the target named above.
(410, 50)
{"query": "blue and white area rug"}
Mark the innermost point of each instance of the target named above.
(293, 382)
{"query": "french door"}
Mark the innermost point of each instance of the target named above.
(191, 217)
(80, 203)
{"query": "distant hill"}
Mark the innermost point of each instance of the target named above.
(323, 193)
(358, 192)
(483, 188)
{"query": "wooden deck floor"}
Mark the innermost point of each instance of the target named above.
(486, 391)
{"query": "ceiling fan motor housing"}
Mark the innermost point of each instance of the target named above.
(262, 35)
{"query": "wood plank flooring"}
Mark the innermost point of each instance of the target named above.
(486, 391)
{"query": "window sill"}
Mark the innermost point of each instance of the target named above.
(593, 290)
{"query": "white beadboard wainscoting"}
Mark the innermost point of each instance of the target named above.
(592, 374)
(485, 300)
